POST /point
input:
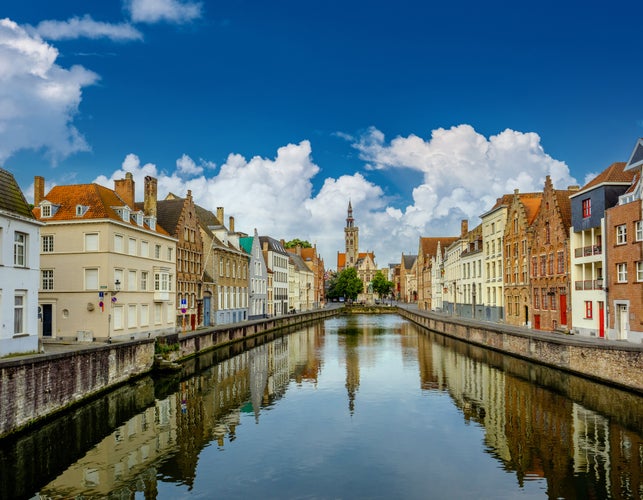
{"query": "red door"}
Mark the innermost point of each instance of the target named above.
(537, 321)
(563, 309)
(601, 319)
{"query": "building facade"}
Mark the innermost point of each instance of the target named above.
(276, 258)
(19, 270)
(550, 274)
(107, 269)
(257, 277)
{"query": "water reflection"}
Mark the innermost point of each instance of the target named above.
(155, 439)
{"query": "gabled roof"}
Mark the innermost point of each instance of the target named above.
(408, 261)
(245, 243)
(168, 213)
(636, 159)
(206, 219)
(99, 200)
(299, 263)
(614, 174)
(11, 197)
(273, 245)
(531, 202)
(503, 201)
(429, 246)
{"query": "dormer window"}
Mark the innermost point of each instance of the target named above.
(48, 209)
(123, 213)
(81, 210)
(138, 218)
(151, 222)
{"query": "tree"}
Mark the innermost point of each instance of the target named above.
(348, 284)
(381, 285)
(297, 241)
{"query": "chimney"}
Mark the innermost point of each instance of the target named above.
(189, 194)
(464, 227)
(149, 200)
(516, 191)
(125, 189)
(299, 250)
(220, 214)
(574, 188)
(265, 246)
(231, 224)
(38, 189)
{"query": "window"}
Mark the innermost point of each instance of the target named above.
(145, 249)
(543, 265)
(157, 251)
(118, 276)
(47, 243)
(621, 273)
(45, 210)
(91, 242)
(621, 234)
(19, 249)
(161, 282)
(561, 262)
(118, 243)
(131, 246)
(550, 267)
(144, 277)
(536, 298)
(588, 309)
(639, 271)
(91, 279)
(158, 313)
(639, 230)
(81, 210)
(534, 266)
(19, 313)
(587, 209)
(547, 233)
(145, 314)
(117, 317)
(131, 280)
(543, 294)
(47, 279)
(169, 254)
(131, 316)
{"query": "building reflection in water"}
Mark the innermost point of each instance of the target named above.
(538, 432)
(582, 438)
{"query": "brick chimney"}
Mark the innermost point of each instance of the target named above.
(125, 189)
(464, 227)
(231, 224)
(38, 189)
(150, 194)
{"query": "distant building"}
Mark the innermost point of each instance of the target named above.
(408, 278)
(276, 258)
(19, 270)
(257, 277)
(428, 249)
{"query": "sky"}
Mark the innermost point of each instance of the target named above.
(420, 114)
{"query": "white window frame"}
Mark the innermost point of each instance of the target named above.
(639, 271)
(132, 280)
(20, 249)
(145, 249)
(638, 230)
(131, 316)
(91, 242)
(621, 272)
(145, 315)
(621, 234)
(131, 246)
(144, 279)
(20, 313)
(90, 279)
(117, 317)
(118, 243)
(45, 210)
(47, 243)
(47, 279)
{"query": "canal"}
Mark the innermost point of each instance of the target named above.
(353, 407)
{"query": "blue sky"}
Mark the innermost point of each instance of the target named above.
(420, 113)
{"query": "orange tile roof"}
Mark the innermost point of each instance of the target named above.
(429, 246)
(531, 202)
(614, 173)
(97, 198)
(341, 260)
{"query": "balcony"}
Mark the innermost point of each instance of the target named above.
(589, 285)
(587, 251)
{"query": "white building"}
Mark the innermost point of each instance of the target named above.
(19, 270)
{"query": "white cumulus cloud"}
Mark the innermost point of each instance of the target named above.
(172, 11)
(38, 98)
(86, 27)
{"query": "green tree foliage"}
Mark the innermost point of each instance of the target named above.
(348, 284)
(297, 241)
(381, 285)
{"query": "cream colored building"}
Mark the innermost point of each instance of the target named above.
(107, 269)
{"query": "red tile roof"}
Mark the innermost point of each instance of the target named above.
(615, 173)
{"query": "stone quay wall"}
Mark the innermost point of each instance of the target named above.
(181, 346)
(35, 387)
(611, 362)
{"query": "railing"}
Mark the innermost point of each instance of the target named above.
(589, 285)
(587, 251)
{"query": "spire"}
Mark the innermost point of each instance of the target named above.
(349, 219)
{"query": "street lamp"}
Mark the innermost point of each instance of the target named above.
(117, 288)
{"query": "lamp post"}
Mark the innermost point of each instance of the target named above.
(117, 288)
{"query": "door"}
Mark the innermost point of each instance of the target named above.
(563, 309)
(46, 319)
(206, 310)
(601, 319)
(537, 321)
(622, 322)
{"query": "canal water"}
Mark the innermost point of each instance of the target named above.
(353, 407)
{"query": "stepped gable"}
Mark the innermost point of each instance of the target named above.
(12, 198)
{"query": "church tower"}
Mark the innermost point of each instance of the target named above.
(351, 234)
